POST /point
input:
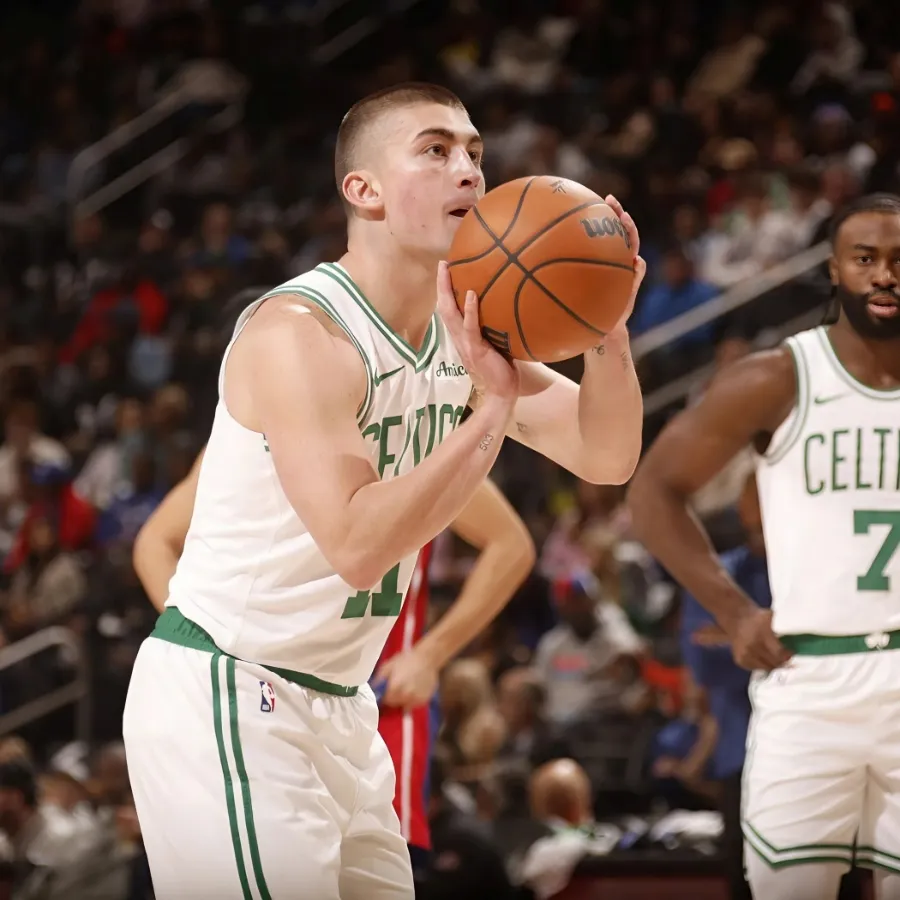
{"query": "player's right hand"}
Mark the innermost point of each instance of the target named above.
(490, 371)
(753, 642)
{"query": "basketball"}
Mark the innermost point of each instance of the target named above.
(551, 264)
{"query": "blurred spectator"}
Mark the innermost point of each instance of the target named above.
(108, 470)
(48, 585)
(561, 799)
(473, 729)
(754, 237)
(587, 662)
(521, 701)
(464, 861)
(679, 292)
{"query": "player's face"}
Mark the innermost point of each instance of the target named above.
(430, 175)
(865, 271)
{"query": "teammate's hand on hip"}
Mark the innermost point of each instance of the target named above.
(411, 680)
(754, 644)
(640, 267)
(490, 371)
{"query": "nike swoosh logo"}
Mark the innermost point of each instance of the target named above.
(820, 400)
(379, 378)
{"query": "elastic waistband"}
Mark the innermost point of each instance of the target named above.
(838, 645)
(173, 627)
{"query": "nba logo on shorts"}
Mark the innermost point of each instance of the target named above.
(267, 696)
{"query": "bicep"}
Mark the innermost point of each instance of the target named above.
(751, 397)
(305, 390)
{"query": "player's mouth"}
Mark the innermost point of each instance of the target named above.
(459, 212)
(883, 306)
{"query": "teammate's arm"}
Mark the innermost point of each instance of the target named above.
(507, 555)
(160, 541)
(592, 429)
(303, 390)
(745, 404)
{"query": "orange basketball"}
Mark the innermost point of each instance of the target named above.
(551, 264)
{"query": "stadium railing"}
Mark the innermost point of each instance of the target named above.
(76, 692)
(674, 390)
(85, 188)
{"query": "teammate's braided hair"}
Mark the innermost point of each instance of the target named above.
(869, 203)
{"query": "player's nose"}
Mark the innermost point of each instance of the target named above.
(468, 173)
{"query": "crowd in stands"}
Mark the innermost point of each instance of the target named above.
(601, 700)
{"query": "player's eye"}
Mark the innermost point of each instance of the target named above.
(476, 156)
(864, 260)
(436, 150)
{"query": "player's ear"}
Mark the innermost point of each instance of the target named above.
(833, 271)
(363, 192)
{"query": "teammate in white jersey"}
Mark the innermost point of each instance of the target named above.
(822, 775)
(336, 453)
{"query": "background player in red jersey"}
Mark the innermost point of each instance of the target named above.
(407, 676)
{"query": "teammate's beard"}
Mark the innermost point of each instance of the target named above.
(855, 309)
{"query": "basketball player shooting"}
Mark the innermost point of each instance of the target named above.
(336, 454)
(407, 672)
(822, 776)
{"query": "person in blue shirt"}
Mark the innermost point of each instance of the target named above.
(708, 657)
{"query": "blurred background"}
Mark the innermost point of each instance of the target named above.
(164, 162)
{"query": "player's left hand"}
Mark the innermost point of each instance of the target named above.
(411, 680)
(640, 267)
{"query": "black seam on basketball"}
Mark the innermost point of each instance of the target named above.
(512, 257)
(586, 262)
(519, 327)
(497, 241)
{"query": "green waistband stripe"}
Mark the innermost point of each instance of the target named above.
(175, 628)
(839, 645)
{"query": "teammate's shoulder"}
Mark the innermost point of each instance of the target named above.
(767, 368)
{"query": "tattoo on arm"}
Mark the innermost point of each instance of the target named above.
(475, 397)
(626, 359)
(600, 349)
(486, 441)
(521, 427)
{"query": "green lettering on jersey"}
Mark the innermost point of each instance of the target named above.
(882, 434)
(865, 519)
(385, 457)
(807, 447)
(836, 458)
(860, 484)
(386, 601)
(836, 461)
(448, 413)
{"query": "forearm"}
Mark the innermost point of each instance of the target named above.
(155, 562)
(389, 520)
(500, 569)
(611, 409)
(663, 521)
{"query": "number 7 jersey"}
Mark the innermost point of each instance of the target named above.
(251, 574)
(829, 488)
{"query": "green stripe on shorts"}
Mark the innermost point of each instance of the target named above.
(262, 890)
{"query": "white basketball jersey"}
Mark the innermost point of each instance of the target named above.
(251, 574)
(829, 486)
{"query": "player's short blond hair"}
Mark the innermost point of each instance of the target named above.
(366, 112)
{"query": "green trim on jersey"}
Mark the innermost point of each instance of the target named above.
(418, 359)
(858, 386)
(174, 627)
(840, 644)
(323, 303)
(873, 858)
(801, 371)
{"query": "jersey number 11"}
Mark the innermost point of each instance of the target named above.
(386, 601)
